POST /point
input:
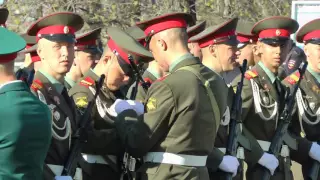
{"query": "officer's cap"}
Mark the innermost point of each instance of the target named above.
(10, 43)
(275, 30)
(223, 33)
(57, 27)
(31, 47)
(88, 41)
(137, 34)
(196, 29)
(243, 32)
(309, 33)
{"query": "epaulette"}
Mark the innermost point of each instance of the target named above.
(251, 74)
(87, 81)
(36, 85)
(293, 78)
(163, 77)
(147, 80)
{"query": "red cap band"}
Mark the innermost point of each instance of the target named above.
(271, 33)
(210, 40)
(243, 38)
(29, 46)
(112, 45)
(57, 29)
(87, 43)
(35, 57)
(8, 57)
(312, 34)
(166, 24)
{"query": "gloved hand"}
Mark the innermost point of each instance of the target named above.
(229, 164)
(120, 105)
(63, 178)
(137, 106)
(269, 161)
(314, 152)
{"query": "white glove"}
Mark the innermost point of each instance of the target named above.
(229, 164)
(269, 161)
(137, 106)
(314, 152)
(63, 178)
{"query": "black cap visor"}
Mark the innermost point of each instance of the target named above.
(68, 38)
(313, 41)
(275, 41)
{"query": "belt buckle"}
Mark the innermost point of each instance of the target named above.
(132, 164)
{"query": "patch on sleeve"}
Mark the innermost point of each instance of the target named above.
(36, 85)
(251, 74)
(86, 82)
(152, 104)
(81, 101)
(293, 78)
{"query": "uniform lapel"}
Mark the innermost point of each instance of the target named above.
(311, 87)
(267, 84)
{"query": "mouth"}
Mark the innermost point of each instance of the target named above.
(64, 62)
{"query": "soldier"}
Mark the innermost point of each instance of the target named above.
(87, 51)
(246, 44)
(305, 122)
(100, 158)
(219, 55)
(4, 13)
(176, 133)
(194, 46)
(263, 99)
(23, 147)
(218, 47)
(56, 38)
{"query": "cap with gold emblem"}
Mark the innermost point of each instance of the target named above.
(31, 47)
(123, 45)
(244, 35)
(3, 16)
(223, 33)
(164, 22)
(89, 41)
(196, 29)
(57, 27)
(11, 43)
(309, 33)
(275, 30)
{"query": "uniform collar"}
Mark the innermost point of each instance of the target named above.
(153, 72)
(179, 59)
(314, 74)
(2, 86)
(56, 84)
(271, 76)
(69, 81)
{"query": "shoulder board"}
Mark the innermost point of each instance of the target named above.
(293, 78)
(36, 85)
(251, 74)
(147, 80)
(87, 81)
(162, 78)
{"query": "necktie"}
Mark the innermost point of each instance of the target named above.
(66, 97)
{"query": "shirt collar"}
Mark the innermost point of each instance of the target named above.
(271, 76)
(179, 59)
(69, 81)
(59, 87)
(314, 74)
(10, 82)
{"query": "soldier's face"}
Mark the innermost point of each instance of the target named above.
(226, 55)
(312, 52)
(85, 60)
(271, 55)
(245, 52)
(195, 49)
(56, 57)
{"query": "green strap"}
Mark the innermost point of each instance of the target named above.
(212, 98)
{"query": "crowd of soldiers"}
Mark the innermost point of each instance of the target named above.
(156, 102)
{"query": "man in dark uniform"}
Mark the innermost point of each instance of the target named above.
(263, 99)
(56, 37)
(305, 122)
(246, 44)
(176, 133)
(193, 45)
(224, 37)
(293, 57)
(115, 65)
(87, 51)
(25, 125)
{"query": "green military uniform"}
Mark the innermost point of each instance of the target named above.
(54, 94)
(305, 122)
(107, 148)
(177, 131)
(25, 126)
(263, 100)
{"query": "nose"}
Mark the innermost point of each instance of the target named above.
(277, 49)
(238, 52)
(64, 51)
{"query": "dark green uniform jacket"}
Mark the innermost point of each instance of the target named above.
(25, 133)
(102, 137)
(148, 77)
(178, 119)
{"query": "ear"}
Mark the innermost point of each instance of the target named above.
(39, 49)
(213, 49)
(259, 47)
(162, 44)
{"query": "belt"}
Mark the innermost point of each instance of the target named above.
(97, 159)
(176, 159)
(240, 152)
(57, 170)
(265, 145)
